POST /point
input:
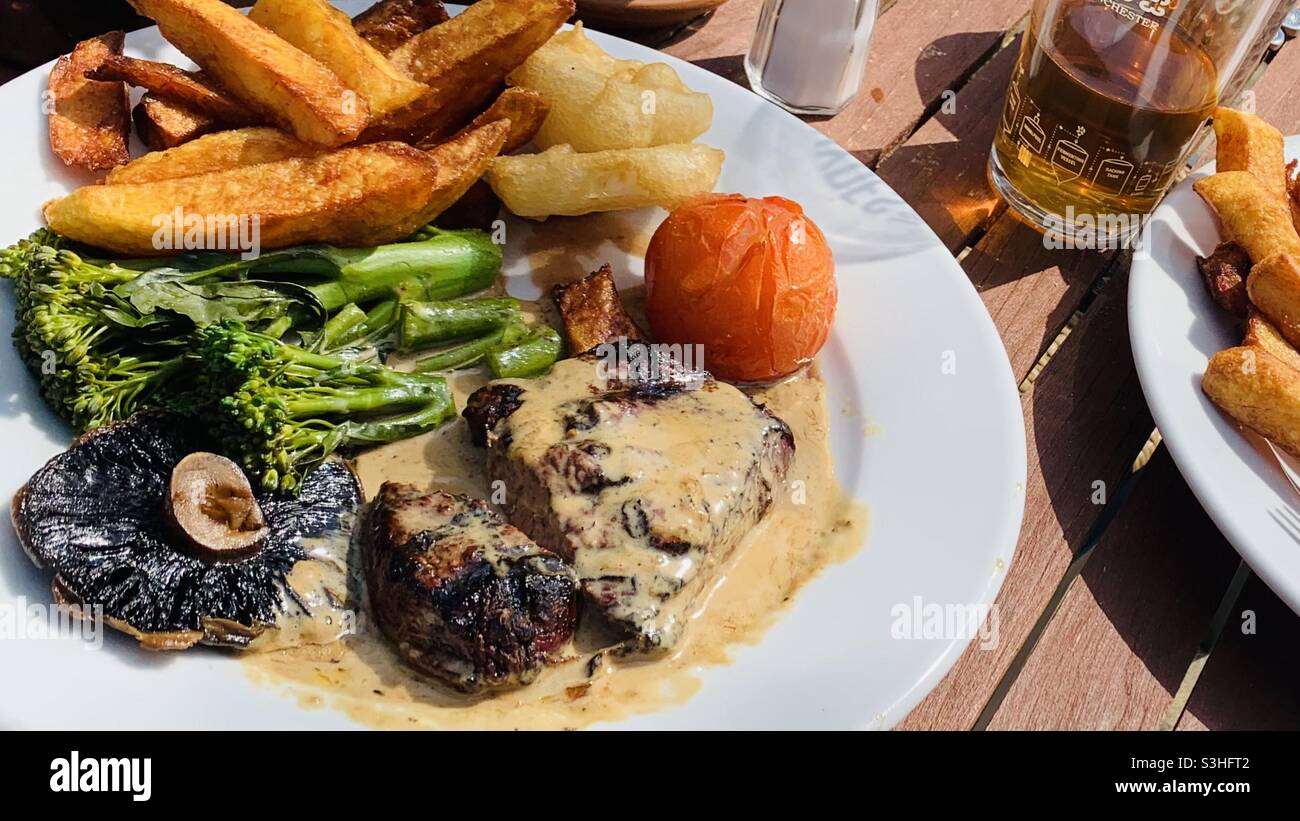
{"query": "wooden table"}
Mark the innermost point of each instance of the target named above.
(1122, 609)
(1122, 614)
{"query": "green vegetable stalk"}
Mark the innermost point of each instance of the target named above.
(280, 410)
(530, 356)
(429, 323)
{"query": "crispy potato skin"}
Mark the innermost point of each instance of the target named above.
(599, 102)
(213, 152)
(1249, 215)
(561, 182)
(1260, 333)
(177, 85)
(464, 60)
(1248, 143)
(326, 33)
(90, 122)
(162, 124)
(357, 196)
(277, 81)
(1258, 390)
(524, 109)
(389, 23)
(461, 162)
(1274, 288)
(593, 314)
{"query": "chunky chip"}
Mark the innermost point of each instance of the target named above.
(356, 196)
(89, 120)
(188, 88)
(327, 34)
(599, 102)
(389, 23)
(525, 110)
(162, 124)
(1260, 333)
(562, 182)
(1259, 391)
(1274, 288)
(213, 152)
(282, 84)
(1249, 215)
(1248, 143)
(461, 162)
(465, 60)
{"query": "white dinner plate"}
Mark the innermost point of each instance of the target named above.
(926, 429)
(1175, 328)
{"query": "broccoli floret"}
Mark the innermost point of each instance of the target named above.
(97, 359)
(280, 410)
(106, 339)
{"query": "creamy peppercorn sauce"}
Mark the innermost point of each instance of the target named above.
(810, 525)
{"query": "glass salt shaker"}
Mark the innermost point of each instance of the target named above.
(809, 57)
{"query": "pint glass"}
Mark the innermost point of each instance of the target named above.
(1107, 100)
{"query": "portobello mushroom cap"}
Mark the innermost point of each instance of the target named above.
(100, 515)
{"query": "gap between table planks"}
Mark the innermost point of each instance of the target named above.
(1040, 300)
(1099, 642)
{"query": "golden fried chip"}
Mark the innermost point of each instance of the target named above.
(162, 124)
(1249, 215)
(525, 110)
(1258, 390)
(190, 89)
(1248, 143)
(1260, 333)
(327, 34)
(461, 162)
(89, 120)
(1274, 288)
(355, 196)
(465, 60)
(389, 23)
(277, 81)
(562, 182)
(213, 152)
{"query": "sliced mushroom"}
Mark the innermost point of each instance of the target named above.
(211, 504)
(119, 515)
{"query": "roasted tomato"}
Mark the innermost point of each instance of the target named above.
(752, 280)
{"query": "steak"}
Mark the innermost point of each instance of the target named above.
(645, 479)
(466, 598)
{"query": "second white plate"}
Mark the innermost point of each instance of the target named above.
(1175, 328)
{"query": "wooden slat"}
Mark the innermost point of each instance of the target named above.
(1030, 290)
(920, 49)
(1128, 672)
(940, 170)
(1085, 419)
(1118, 647)
(1252, 680)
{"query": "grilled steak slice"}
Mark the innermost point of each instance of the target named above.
(646, 485)
(466, 598)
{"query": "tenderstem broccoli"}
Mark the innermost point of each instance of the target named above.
(279, 410)
(107, 338)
